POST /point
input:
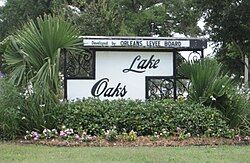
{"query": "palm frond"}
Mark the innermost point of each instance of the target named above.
(36, 50)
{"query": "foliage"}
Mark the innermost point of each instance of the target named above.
(145, 118)
(131, 136)
(108, 17)
(20, 112)
(231, 60)
(137, 17)
(228, 25)
(99, 18)
(3, 46)
(211, 88)
(10, 103)
(144, 22)
(17, 12)
(34, 54)
(111, 135)
(36, 115)
(228, 21)
(207, 80)
(63, 134)
(182, 17)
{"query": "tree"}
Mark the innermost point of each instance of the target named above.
(98, 18)
(182, 17)
(16, 12)
(136, 17)
(228, 23)
(34, 53)
(231, 60)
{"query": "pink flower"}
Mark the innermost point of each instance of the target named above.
(63, 134)
(77, 137)
(36, 138)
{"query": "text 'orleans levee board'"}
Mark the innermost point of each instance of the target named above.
(122, 65)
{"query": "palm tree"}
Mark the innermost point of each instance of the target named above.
(206, 78)
(34, 53)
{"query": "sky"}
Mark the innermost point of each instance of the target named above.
(2, 2)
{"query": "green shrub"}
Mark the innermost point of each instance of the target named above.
(145, 118)
(19, 113)
(38, 115)
(209, 86)
(10, 104)
(131, 136)
(208, 82)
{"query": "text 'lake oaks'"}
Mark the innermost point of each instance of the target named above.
(140, 65)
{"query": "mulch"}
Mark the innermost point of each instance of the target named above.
(143, 141)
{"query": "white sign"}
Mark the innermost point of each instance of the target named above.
(121, 74)
(136, 43)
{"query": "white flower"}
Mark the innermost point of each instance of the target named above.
(185, 94)
(223, 86)
(45, 131)
(42, 105)
(60, 74)
(213, 99)
(30, 88)
(242, 77)
(23, 118)
(232, 76)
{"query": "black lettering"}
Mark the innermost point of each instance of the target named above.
(131, 66)
(108, 92)
(117, 90)
(156, 63)
(101, 87)
(96, 90)
(123, 91)
(150, 62)
(142, 64)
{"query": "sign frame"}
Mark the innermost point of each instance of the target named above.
(195, 44)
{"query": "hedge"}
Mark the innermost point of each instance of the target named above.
(145, 118)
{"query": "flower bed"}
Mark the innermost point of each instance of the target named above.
(143, 141)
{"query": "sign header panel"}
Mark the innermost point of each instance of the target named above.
(137, 43)
(144, 42)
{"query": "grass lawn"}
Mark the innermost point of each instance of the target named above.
(10, 152)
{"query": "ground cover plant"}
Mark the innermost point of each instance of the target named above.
(10, 152)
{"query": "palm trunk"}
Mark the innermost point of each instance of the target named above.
(246, 71)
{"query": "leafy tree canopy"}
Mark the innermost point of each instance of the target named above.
(137, 17)
(228, 21)
(17, 12)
